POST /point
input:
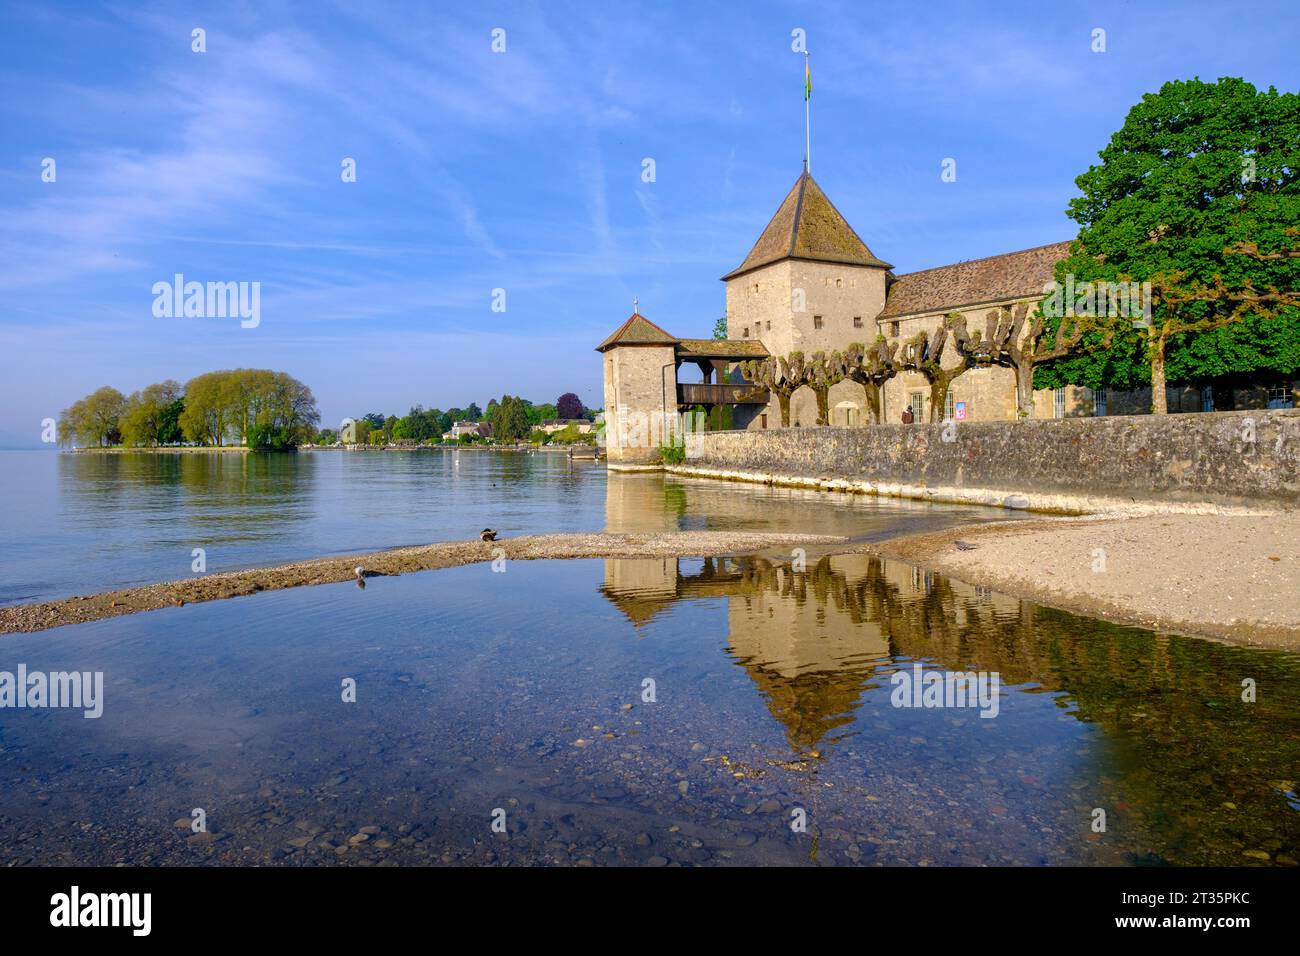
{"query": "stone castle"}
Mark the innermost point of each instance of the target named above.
(811, 284)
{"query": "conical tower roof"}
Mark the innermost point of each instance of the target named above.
(637, 330)
(808, 226)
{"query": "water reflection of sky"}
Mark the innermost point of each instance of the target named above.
(94, 522)
(523, 690)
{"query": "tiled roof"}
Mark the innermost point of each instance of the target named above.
(721, 348)
(807, 226)
(1012, 275)
(637, 330)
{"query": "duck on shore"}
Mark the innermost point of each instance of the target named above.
(487, 534)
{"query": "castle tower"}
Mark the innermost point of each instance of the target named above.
(640, 366)
(810, 283)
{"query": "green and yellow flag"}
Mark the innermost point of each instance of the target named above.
(807, 80)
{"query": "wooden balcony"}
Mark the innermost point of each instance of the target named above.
(721, 395)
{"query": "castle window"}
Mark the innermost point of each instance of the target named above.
(839, 283)
(817, 321)
(745, 334)
(755, 286)
(769, 325)
(857, 321)
(893, 329)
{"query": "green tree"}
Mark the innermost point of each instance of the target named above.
(509, 419)
(1198, 194)
(145, 413)
(207, 415)
(720, 328)
(541, 413)
(263, 408)
(169, 425)
(94, 420)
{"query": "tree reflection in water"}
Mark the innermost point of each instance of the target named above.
(1186, 765)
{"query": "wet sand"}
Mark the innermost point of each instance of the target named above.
(26, 618)
(1228, 576)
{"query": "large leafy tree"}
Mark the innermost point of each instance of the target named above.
(94, 420)
(262, 408)
(146, 414)
(568, 405)
(509, 419)
(1199, 194)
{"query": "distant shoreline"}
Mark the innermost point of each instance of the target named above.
(243, 449)
(161, 450)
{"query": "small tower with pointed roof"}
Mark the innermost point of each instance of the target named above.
(640, 365)
(809, 283)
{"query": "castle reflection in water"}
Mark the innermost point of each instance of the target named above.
(820, 645)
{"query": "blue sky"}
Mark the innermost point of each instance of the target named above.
(520, 170)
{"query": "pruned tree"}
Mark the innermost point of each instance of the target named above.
(772, 374)
(925, 355)
(1013, 339)
(872, 368)
(824, 373)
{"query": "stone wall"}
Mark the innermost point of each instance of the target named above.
(1248, 458)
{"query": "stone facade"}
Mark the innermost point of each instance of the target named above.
(640, 390)
(811, 284)
(795, 305)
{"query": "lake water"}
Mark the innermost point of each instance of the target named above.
(524, 695)
(83, 523)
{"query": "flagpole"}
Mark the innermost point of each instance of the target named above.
(807, 117)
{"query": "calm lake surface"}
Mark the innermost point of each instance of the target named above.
(83, 523)
(523, 693)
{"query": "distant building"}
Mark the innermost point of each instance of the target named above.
(482, 429)
(581, 425)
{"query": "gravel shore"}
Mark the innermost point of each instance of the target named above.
(1233, 577)
(25, 618)
(1230, 576)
